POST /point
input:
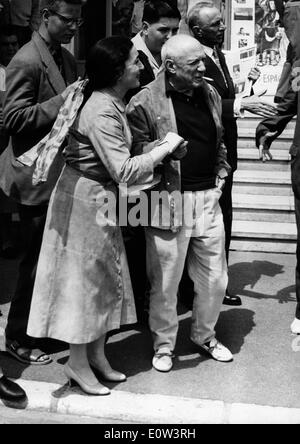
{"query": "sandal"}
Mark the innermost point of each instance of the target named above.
(27, 355)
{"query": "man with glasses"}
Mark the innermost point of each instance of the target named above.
(39, 78)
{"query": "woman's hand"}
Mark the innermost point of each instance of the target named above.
(180, 151)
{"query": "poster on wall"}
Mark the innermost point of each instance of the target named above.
(271, 43)
(257, 22)
(239, 63)
(243, 24)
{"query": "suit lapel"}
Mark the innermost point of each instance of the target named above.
(214, 72)
(54, 76)
(226, 73)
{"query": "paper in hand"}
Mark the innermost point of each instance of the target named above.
(173, 140)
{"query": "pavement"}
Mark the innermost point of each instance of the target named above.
(261, 385)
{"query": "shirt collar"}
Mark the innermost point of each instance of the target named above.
(208, 51)
(140, 45)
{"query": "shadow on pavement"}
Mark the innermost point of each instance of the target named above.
(247, 274)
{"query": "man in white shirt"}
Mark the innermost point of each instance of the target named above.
(160, 22)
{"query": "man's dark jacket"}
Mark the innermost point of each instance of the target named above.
(287, 109)
(227, 94)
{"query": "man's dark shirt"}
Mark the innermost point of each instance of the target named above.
(195, 124)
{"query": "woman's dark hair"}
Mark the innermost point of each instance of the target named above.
(106, 61)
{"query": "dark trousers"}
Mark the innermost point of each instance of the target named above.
(297, 211)
(226, 207)
(135, 244)
(32, 222)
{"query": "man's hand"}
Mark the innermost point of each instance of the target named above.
(264, 147)
(180, 151)
(254, 104)
(254, 74)
(71, 88)
(220, 183)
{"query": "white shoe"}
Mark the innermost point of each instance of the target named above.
(295, 326)
(162, 360)
(217, 351)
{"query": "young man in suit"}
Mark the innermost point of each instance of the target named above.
(37, 85)
(206, 24)
(160, 22)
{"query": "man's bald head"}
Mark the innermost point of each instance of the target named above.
(183, 58)
(178, 46)
(199, 14)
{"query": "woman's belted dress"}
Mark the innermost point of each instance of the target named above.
(83, 287)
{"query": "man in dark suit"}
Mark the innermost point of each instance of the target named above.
(37, 80)
(206, 24)
(267, 131)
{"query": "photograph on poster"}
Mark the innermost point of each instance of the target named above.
(244, 35)
(268, 34)
(243, 14)
(239, 63)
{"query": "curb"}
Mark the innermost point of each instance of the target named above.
(150, 409)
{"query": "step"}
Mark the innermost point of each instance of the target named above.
(252, 154)
(267, 246)
(262, 177)
(253, 123)
(264, 230)
(263, 202)
(260, 215)
(281, 144)
(265, 189)
(250, 132)
(258, 165)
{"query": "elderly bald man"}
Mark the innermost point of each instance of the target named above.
(181, 101)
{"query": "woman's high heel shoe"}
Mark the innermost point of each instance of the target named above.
(97, 389)
(112, 376)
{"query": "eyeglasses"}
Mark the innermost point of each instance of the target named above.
(67, 20)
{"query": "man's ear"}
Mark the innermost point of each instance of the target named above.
(45, 16)
(170, 66)
(196, 30)
(145, 28)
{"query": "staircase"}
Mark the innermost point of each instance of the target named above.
(263, 203)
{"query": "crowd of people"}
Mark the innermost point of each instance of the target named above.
(157, 116)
